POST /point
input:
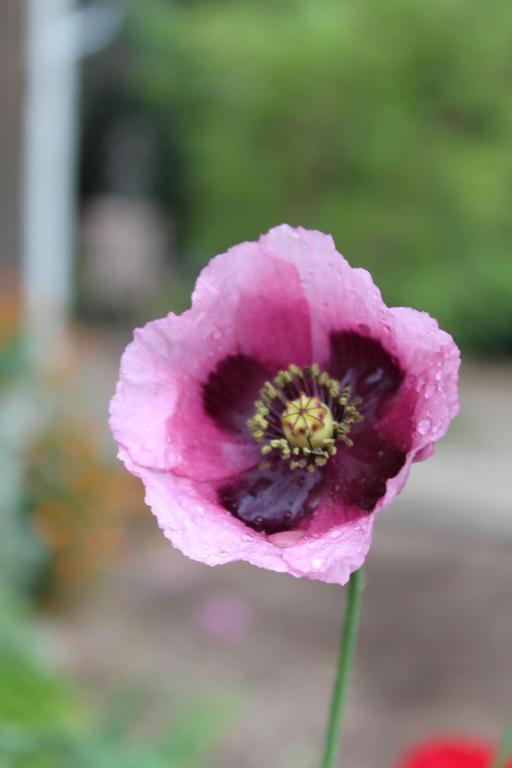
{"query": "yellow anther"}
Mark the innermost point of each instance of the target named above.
(304, 431)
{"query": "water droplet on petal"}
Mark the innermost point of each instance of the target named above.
(285, 539)
(317, 563)
(335, 534)
(429, 391)
(424, 426)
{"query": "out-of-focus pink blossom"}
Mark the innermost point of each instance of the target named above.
(274, 419)
(224, 616)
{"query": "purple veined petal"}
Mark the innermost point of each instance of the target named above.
(272, 500)
(372, 373)
(231, 389)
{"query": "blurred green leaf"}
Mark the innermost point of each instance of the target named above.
(44, 723)
(190, 738)
(385, 122)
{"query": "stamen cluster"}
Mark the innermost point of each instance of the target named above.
(301, 415)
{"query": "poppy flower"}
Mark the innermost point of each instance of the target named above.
(450, 754)
(273, 420)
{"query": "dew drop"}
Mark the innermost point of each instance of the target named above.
(358, 529)
(424, 426)
(335, 534)
(429, 391)
(285, 539)
(317, 563)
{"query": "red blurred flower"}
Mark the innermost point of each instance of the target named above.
(450, 754)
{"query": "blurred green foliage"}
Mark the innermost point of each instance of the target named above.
(387, 123)
(45, 719)
(44, 722)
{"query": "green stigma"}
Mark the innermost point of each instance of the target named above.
(307, 422)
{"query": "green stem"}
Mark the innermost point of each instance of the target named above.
(347, 646)
(505, 751)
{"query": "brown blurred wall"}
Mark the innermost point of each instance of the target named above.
(12, 14)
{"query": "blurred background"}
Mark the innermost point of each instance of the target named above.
(138, 139)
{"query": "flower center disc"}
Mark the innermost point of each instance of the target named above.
(307, 422)
(300, 417)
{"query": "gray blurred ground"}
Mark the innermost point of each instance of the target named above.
(435, 651)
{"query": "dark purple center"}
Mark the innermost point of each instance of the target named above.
(274, 498)
(231, 389)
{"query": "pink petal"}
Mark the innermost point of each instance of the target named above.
(432, 361)
(191, 518)
(245, 302)
(343, 298)
(336, 553)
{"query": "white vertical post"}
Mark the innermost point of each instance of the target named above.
(48, 189)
